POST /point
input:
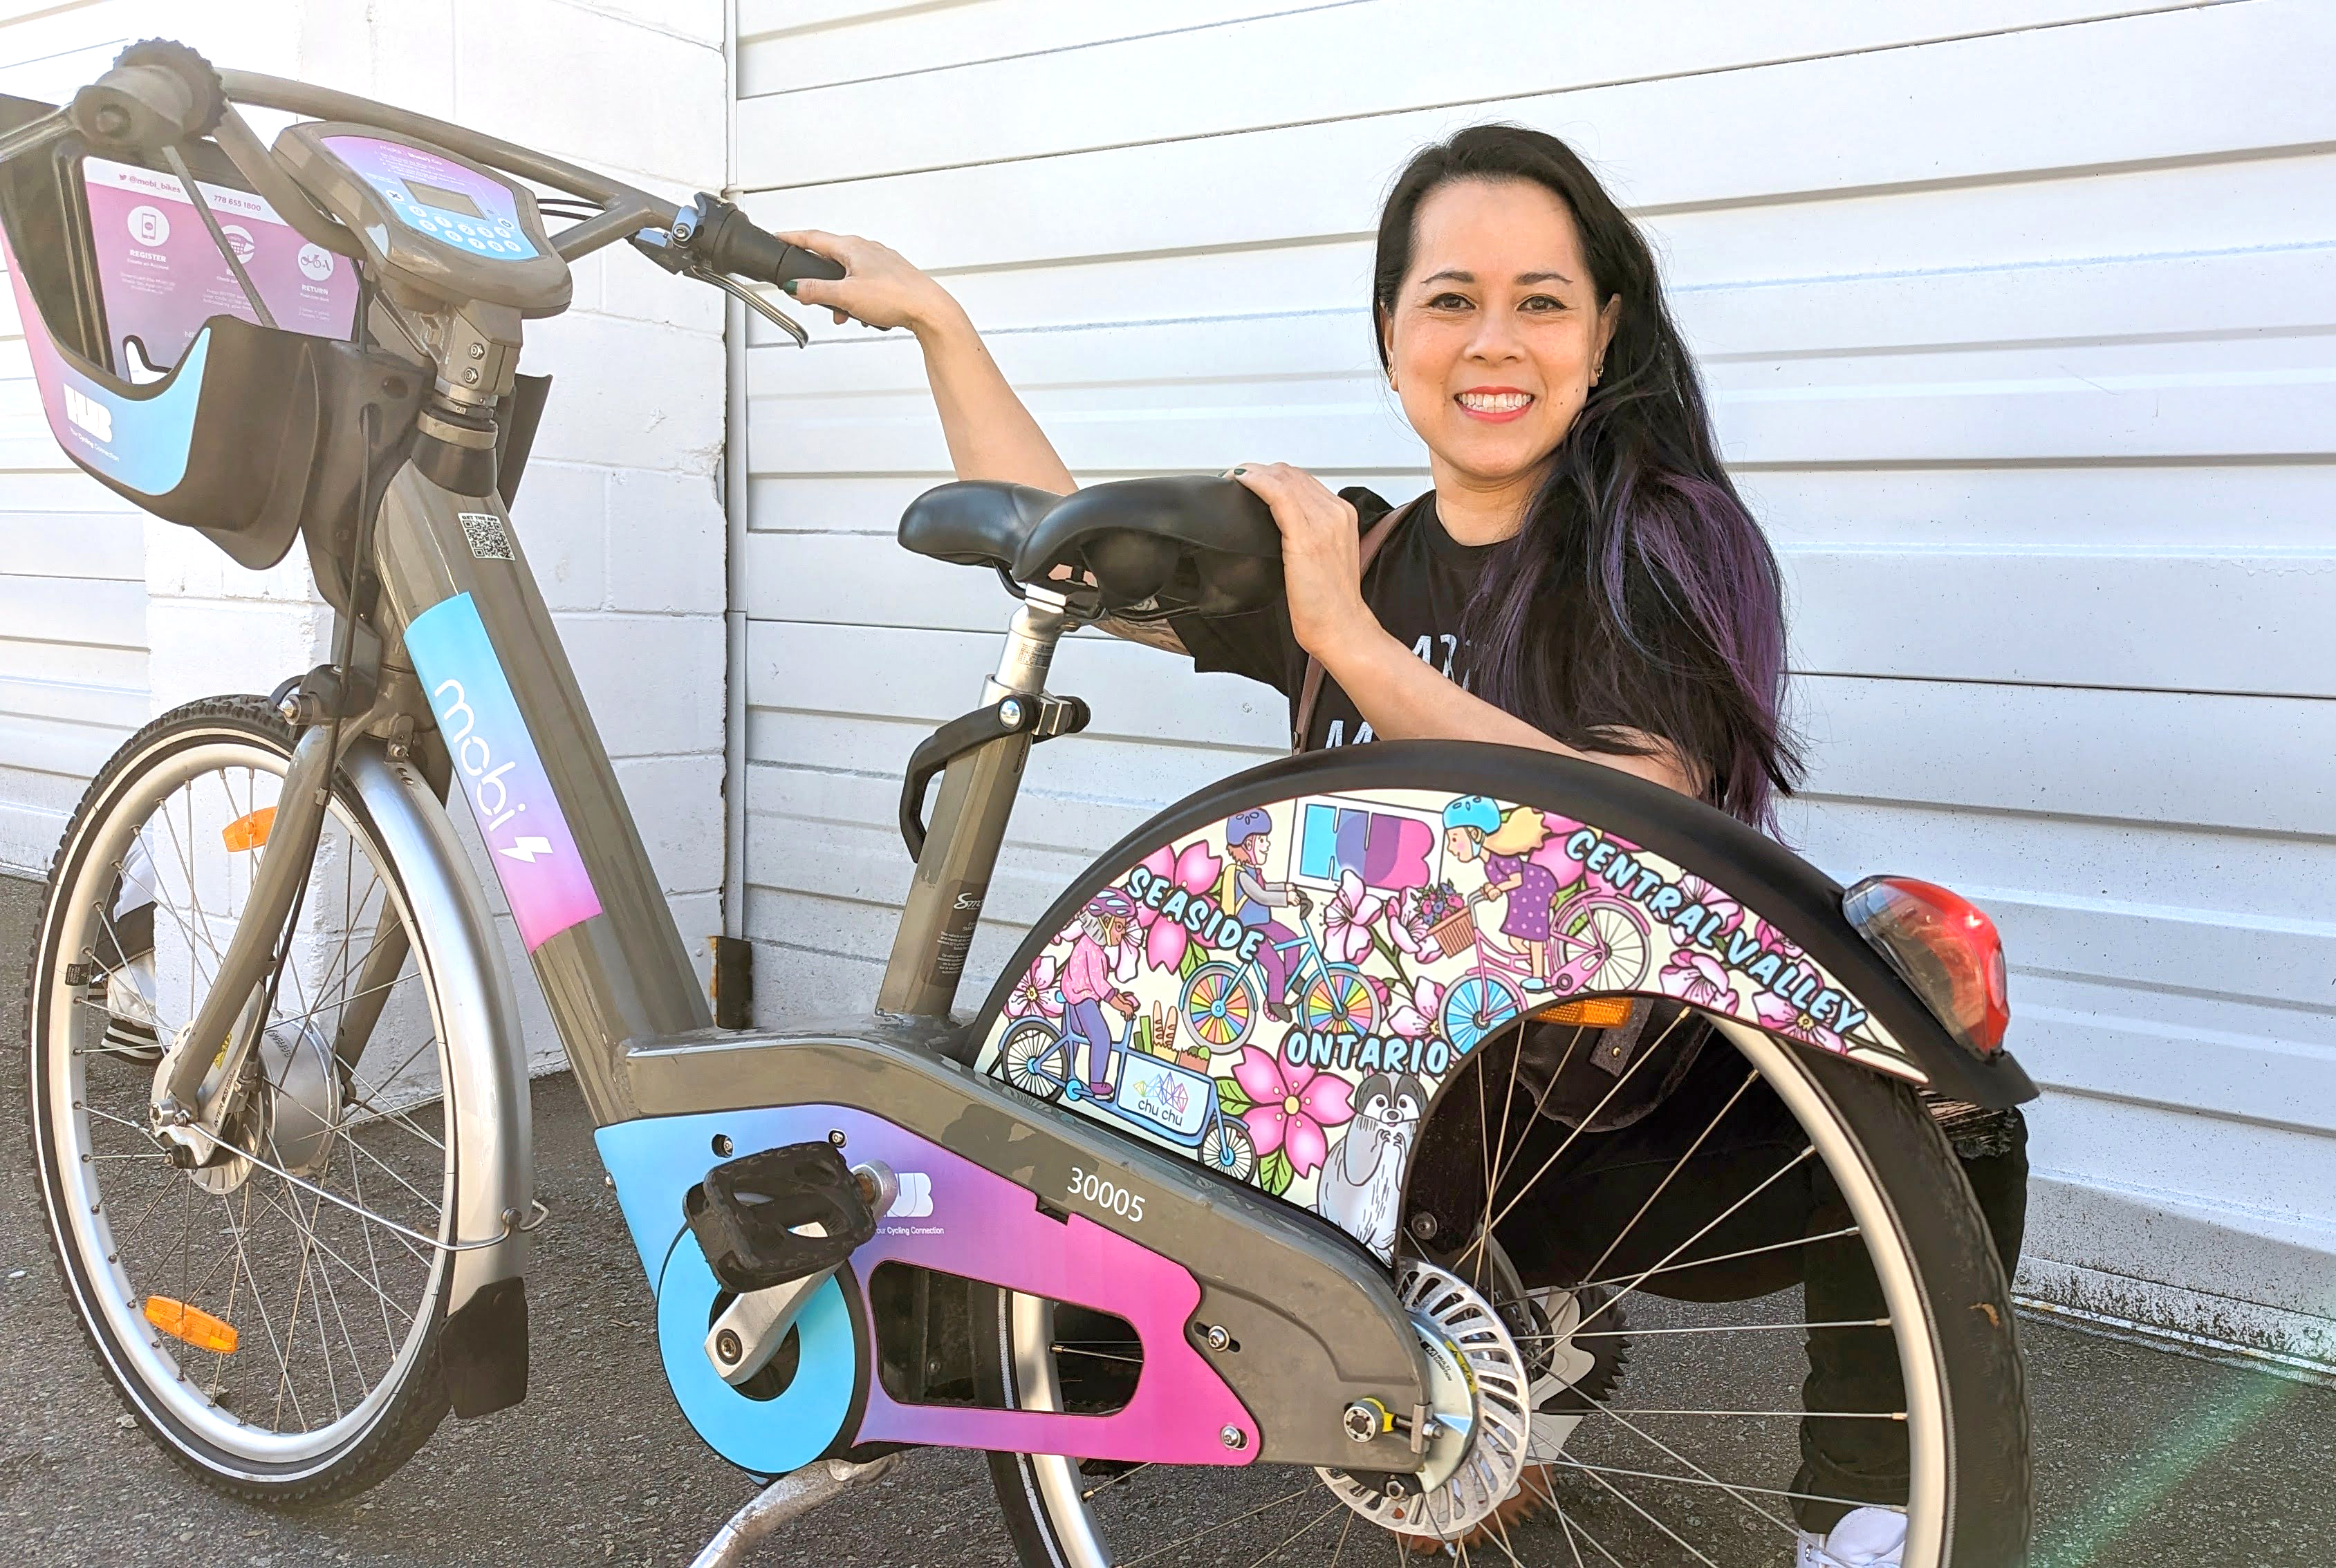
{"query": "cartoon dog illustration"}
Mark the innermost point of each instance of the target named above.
(1361, 1190)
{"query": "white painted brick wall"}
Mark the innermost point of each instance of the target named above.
(621, 512)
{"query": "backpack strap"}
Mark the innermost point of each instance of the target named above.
(1309, 690)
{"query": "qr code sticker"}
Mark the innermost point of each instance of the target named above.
(489, 542)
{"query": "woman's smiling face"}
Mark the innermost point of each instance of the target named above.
(1496, 331)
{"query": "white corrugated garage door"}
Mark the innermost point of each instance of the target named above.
(2016, 313)
(73, 554)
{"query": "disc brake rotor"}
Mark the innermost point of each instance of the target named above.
(1481, 1407)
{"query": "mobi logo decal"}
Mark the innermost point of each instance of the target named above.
(499, 772)
(88, 415)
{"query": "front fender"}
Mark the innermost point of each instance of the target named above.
(1731, 922)
(484, 1347)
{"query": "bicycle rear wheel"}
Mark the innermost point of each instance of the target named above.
(271, 1316)
(1689, 1453)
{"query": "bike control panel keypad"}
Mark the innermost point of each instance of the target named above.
(436, 196)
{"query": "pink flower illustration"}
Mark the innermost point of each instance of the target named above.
(1775, 941)
(1778, 1016)
(1195, 871)
(1416, 1013)
(1551, 854)
(1698, 979)
(1697, 891)
(1407, 924)
(1347, 923)
(1290, 1107)
(1035, 995)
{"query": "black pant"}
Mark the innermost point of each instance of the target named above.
(1601, 1182)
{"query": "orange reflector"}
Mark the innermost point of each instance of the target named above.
(192, 1324)
(1596, 1012)
(249, 831)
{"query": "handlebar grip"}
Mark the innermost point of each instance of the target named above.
(158, 95)
(728, 241)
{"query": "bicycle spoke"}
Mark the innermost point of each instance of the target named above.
(1651, 1519)
(1293, 1535)
(1674, 1454)
(1220, 1525)
(1678, 1166)
(1709, 1225)
(1563, 1462)
(1783, 1247)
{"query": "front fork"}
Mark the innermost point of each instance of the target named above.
(201, 1079)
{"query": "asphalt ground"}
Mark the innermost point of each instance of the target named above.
(2144, 1458)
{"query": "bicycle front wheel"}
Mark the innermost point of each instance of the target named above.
(270, 1315)
(1635, 1330)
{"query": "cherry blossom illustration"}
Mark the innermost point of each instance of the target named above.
(1290, 1108)
(1407, 925)
(1195, 872)
(1347, 923)
(1773, 941)
(1035, 994)
(1778, 1016)
(1413, 1010)
(1698, 979)
(1700, 892)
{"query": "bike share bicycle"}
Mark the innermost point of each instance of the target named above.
(279, 1101)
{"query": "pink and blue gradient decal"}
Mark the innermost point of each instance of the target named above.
(137, 441)
(499, 773)
(976, 1224)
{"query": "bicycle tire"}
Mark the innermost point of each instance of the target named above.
(399, 1417)
(1891, 1164)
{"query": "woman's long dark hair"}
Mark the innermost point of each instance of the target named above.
(1640, 593)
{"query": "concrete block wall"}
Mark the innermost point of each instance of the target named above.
(621, 512)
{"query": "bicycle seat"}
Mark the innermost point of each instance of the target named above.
(975, 523)
(1184, 543)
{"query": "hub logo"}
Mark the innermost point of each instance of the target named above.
(88, 415)
(916, 1200)
(499, 773)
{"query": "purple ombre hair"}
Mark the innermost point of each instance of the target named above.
(1640, 593)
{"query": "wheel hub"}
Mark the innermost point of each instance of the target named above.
(1479, 1405)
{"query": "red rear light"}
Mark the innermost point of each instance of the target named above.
(1945, 947)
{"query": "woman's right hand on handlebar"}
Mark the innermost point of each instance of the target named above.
(878, 286)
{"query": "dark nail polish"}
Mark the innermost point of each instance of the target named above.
(790, 287)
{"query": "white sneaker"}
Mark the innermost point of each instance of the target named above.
(1865, 1538)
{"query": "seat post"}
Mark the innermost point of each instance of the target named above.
(968, 827)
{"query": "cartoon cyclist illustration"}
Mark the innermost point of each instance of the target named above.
(1474, 827)
(1087, 987)
(1243, 893)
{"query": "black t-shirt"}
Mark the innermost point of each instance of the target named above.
(1417, 586)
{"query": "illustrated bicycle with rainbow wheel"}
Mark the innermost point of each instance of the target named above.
(1599, 943)
(1222, 998)
(1158, 1095)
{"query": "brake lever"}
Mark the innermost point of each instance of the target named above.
(670, 252)
(749, 297)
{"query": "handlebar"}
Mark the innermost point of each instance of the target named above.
(159, 94)
(722, 238)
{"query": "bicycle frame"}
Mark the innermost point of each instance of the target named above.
(476, 696)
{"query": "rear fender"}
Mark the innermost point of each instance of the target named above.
(1727, 921)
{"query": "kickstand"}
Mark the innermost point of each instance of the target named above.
(785, 1500)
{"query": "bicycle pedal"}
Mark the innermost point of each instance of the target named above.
(781, 1214)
